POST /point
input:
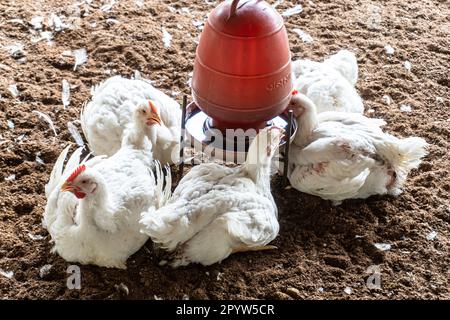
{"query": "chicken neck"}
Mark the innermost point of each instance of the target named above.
(94, 209)
(257, 164)
(307, 121)
(135, 135)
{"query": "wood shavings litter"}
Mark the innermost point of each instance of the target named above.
(17, 21)
(5, 67)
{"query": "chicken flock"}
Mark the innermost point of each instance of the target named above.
(104, 207)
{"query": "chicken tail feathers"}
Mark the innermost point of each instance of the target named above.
(57, 172)
(154, 226)
(403, 155)
(408, 153)
(163, 190)
(73, 161)
(83, 119)
(345, 63)
(168, 188)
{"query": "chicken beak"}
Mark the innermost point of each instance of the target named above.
(154, 119)
(67, 187)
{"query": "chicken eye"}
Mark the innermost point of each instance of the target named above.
(143, 111)
(83, 181)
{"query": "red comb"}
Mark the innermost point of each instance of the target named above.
(152, 107)
(294, 92)
(76, 172)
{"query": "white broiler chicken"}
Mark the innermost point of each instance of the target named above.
(329, 84)
(217, 210)
(337, 155)
(97, 220)
(104, 118)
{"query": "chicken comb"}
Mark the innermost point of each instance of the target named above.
(294, 92)
(152, 107)
(76, 172)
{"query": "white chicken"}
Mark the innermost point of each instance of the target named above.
(217, 210)
(104, 118)
(97, 221)
(329, 84)
(337, 155)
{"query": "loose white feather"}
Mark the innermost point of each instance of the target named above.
(36, 22)
(13, 90)
(304, 36)
(291, 11)
(75, 134)
(389, 50)
(55, 22)
(277, 3)
(65, 95)
(6, 274)
(167, 38)
(47, 119)
(81, 57)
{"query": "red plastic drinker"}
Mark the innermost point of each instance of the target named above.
(242, 70)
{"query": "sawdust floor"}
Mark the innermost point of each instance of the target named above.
(322, 249)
